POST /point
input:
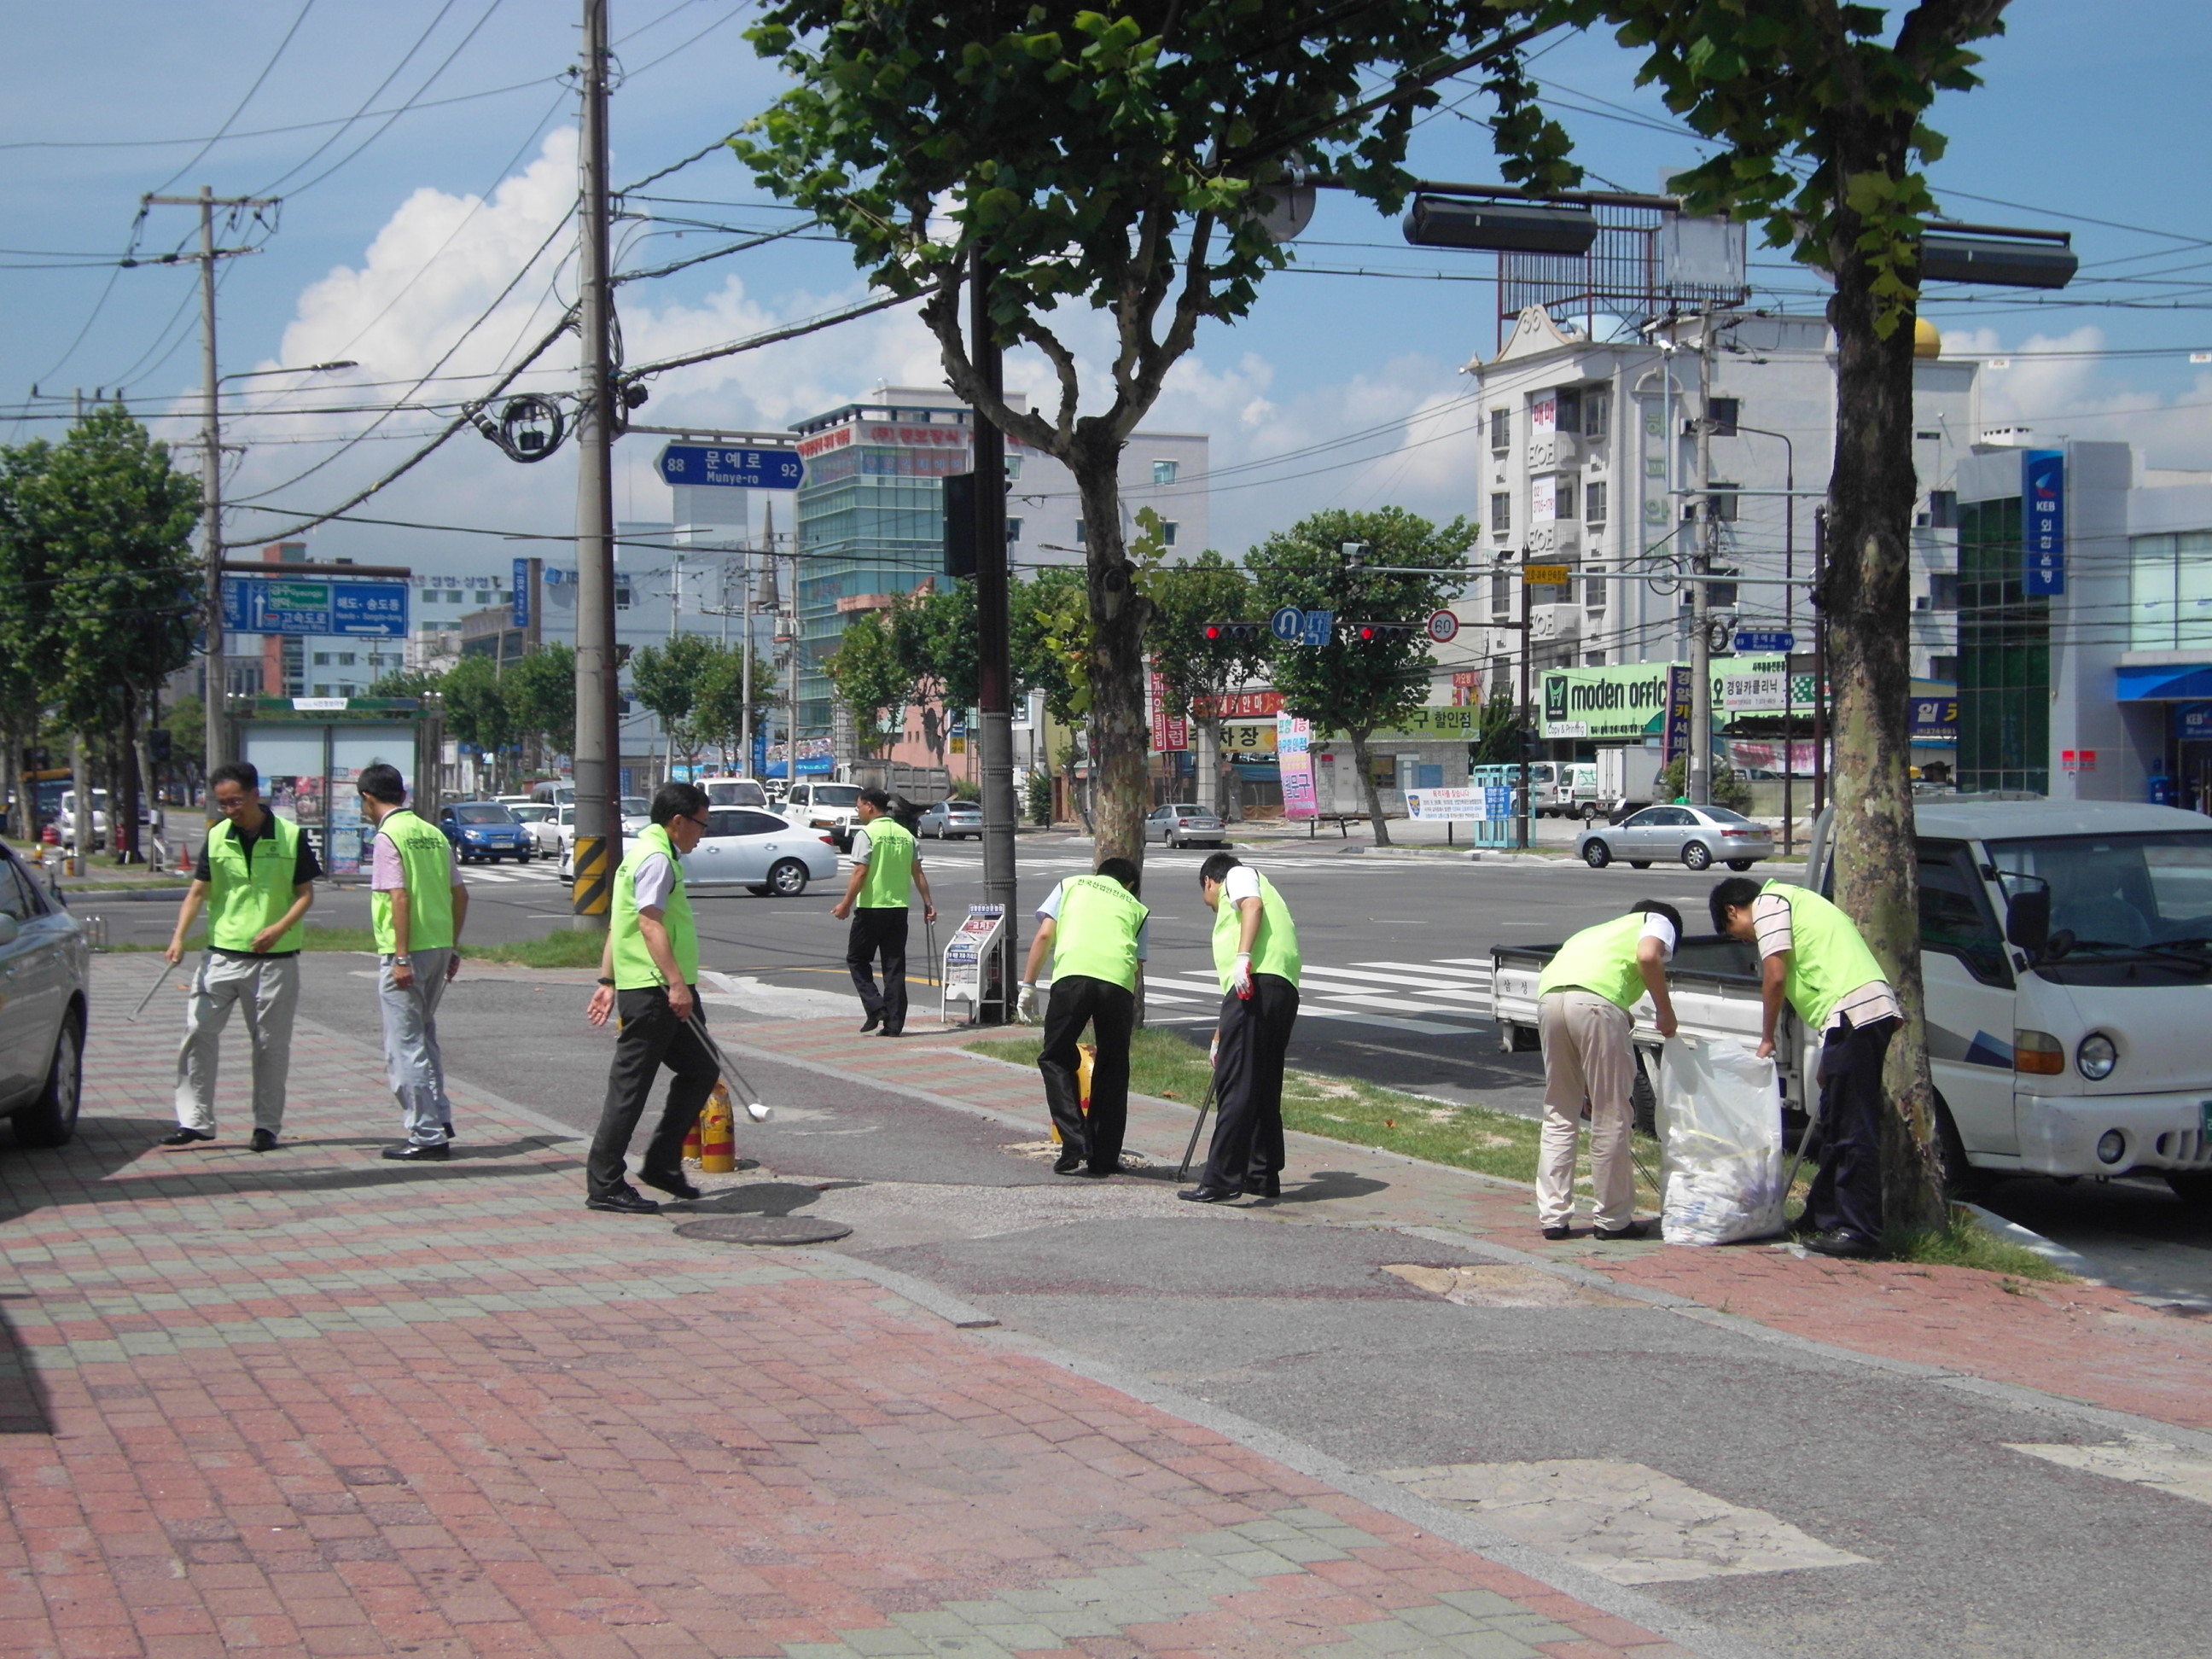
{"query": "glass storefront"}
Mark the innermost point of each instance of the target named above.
(2004, 657)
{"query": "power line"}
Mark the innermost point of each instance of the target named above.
(240, 109)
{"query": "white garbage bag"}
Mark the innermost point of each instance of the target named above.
(1720, 1136)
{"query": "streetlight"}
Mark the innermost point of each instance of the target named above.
(311, 368)
(1789, 621)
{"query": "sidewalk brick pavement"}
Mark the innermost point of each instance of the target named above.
(312, 1403)
(2085, 1342)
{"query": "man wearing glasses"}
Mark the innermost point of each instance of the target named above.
(646, 975)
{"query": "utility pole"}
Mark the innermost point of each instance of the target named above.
(1699, 771)
(993, 628)
(790, 723)
(1525, 824)
(598, 826)
(214, 688)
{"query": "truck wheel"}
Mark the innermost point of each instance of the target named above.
(1589, 812)
(2192, 1186)
(1960, 1178)
(788, 878)
(1597, 855)
(50, 1120)
(1697, 855)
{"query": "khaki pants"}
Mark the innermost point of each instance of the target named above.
(267, 990)
(1587, 1056)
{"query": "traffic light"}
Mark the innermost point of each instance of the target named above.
(1386, 633)
(1234, 630)
(159, 745)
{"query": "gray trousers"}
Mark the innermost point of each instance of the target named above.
(412, 1064)
(268, 990)
(1587, 1056)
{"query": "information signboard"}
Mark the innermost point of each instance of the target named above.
(364, 610)
(732, 469)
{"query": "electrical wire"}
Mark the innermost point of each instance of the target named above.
(274, 133)
(257, 79)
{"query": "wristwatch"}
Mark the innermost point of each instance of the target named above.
(403, 962)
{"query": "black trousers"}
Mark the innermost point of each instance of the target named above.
(1845, 1196)
(651, 1037)
(1111, 1012)
(1247, 1087)
(879, 932)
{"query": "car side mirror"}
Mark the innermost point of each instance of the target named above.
(2027, 920)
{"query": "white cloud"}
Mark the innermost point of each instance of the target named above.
(2088, 396)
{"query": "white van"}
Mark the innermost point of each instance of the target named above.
(731, 790)
(2066, 949)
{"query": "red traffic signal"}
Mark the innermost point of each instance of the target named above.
(1385, 633)
(1234, 630)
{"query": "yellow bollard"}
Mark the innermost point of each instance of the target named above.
(718, 1146)
(691, 1144)
(1085, 1054)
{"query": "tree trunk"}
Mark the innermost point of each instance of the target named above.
(1865, 597)
(1373, 796)
(1117, 657)
(124, 821)
(15, 789)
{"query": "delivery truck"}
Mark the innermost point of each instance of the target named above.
(2066, 950)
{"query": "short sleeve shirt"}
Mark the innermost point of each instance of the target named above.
(1770, 919)
(1049, 911)
(1658, 926)
(387, 873)
(860, 852)
(306, 866)
(1243, 883)
(652, 881)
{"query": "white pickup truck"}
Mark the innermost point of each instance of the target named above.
(2067, 952)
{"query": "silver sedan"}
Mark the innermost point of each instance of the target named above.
(1698, 836)
(1182, 824)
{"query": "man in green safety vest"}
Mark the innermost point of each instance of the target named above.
(885, 863)
(1813, 954)
(1256, 952)
(647, 974)
(255, 877)
(1583, 996)
(1092, 929)
(418, 907)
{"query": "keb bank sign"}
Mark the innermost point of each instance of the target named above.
(1627, 703)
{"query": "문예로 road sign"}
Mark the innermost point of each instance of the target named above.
(1288, 623)
(732, 468)
(1545, 575)
(1765, 641)
(1443, 627)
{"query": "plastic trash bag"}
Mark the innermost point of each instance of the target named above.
(1720, 1137)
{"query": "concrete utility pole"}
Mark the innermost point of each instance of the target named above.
(214, 688)
(1700, 780)
(599, 824)
(994, 629)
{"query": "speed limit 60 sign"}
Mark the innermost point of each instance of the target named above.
(1443, 627)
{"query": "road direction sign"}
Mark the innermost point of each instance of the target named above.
(731, 469)
(355, 610)
(1320, 627)
(1443, 627)
(1765, 641)
(1288, 623)
(1545, 575)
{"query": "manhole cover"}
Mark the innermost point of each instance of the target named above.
(763, 1230)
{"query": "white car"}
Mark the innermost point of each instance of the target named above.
(760, 851)
(544, 822)
(832, 806)
(45, 964)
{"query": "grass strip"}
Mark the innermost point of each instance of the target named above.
(1963, 1242)
(1169, 1065)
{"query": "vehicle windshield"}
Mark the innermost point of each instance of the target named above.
(1187, 810)
(736, 791)
(836, 795)
(636, 806)
(484, 812)
(2115, 898)
(1723, 815)
(532, 814)
(958, 806)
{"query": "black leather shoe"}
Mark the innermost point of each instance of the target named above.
(1095, 1173)
(1068, 1163)
(1848, 1247)
(181, 1136)
(409, 1152)
(874, 1020)
(1208, 1195)
(623, 1200)
(1270, 1186)
(1555, 1234)
(889, 1032)
(1633, 1230)
(673, 1184)
(264, 1140)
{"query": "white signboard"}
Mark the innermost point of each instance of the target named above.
(966, 952)
(1544, 499)
(1459, 805)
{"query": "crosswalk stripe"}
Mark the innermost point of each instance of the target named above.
(1473, 975)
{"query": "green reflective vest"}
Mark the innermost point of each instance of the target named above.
(243, 896)
(1274, 950)
(426, 862)
(634, 966)
(1828, 959)
(1096, 934)
(1601, 960)
(889, 867)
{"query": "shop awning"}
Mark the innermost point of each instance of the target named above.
(2165, 682)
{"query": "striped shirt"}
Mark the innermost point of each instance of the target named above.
(1874, 1000)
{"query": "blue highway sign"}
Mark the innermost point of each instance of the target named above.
(732, 469)
(355, 610)
(1764, 640)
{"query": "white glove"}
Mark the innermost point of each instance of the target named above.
(1241, 980)
(1025, 1004)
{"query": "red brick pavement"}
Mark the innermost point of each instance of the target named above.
(2085, 1342)
(312, 1403)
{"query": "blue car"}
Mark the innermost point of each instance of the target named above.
(486, 830)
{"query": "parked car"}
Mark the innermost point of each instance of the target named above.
(831, 806)
(636, 813)
(541, 819)
(45, 963)
(1183, 825)
(486, 830)
(747, 848)
(947, 818)
(733, 789)
(67, 819)
(1695, 836)
(558, 791)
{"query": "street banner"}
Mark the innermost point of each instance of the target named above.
(1676, 738)
(1169, 732)
(1457, 806)
(2043, 522)
(1294, 755)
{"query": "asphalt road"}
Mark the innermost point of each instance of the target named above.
(1873, 1513)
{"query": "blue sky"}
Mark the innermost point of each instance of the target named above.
(395, 233)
